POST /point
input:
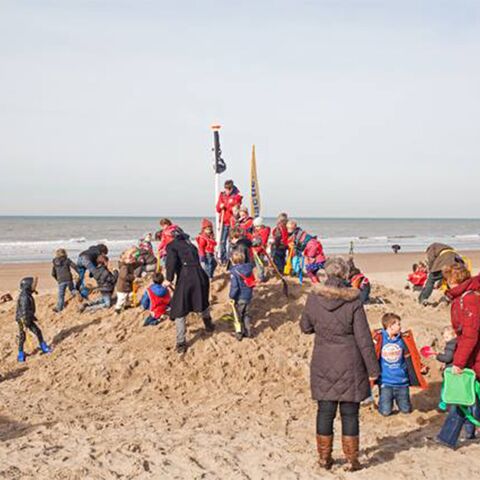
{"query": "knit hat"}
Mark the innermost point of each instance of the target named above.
(206, 223)
(258, 222)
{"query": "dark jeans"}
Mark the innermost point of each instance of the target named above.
(432, 279)
(279, 258)
(365, 293)
(105, 301)
(327, 410)
(62, 288)
(33, 327)
(454, 423)
(224, 243)
(243, 310)
(401, 396)
(83, 265)
(209, 265)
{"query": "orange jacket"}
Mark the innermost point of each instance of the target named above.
(412, 357)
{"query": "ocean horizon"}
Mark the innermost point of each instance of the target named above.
(29, 238)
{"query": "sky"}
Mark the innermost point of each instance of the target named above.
(356, 108)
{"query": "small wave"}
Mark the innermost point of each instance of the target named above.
(471, 236)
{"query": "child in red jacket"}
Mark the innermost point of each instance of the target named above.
(245, 221)
(260, 236)
(156, 299)
(206, 248)
(314, 258)
(418, 277)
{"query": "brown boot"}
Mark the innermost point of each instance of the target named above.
(350, 447)
(324, 448)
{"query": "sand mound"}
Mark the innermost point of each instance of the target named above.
(114, 400)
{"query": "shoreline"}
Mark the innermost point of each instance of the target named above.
(387, 268)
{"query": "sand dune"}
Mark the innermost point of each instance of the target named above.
(114, 400)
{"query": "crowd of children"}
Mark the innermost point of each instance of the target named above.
(247, 248)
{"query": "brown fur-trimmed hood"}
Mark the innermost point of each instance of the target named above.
(332, 297)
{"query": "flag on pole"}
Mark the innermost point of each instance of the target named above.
(219, 164)
(254, 188)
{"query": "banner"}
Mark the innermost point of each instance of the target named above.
(254, 187)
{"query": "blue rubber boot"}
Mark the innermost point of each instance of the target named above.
(45, 348)
(21, 356)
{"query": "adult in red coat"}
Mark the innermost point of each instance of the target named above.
(464, 292)
(226, 201)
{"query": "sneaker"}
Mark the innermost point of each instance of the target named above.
(45, 348)
(181, 348)
(239, 336)
(21, 357)
(209, 326)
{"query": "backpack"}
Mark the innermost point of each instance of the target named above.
(250, 281)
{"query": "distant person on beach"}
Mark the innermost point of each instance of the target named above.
(206, 247)
(226, 201)
(62, 273)
(439, 255)
(106, 281)
(343, 360)
(242, 282)
(156, 299)
(192, 286)
(280, 242)
(25, 317)
(464, 293)
(87, 261)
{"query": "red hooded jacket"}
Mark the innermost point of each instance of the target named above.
(246, 224)
(465, 317)
(228, 201)
(260, 239)
(418, 278)
(206, 244)
(165, 239)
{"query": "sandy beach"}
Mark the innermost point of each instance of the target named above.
(114, 400)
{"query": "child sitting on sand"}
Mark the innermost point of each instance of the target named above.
(418, 277)
(206, 248)
(399, 365)
(242, 282)
(156, 299)
(106, 281)
(62, 273)
(25, 317)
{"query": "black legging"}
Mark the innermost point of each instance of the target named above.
(33, 327)
(327, 410)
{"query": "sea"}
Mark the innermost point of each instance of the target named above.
(35, 238)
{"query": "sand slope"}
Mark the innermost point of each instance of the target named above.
(114, 400)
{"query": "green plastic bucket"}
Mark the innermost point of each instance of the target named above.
(459, 389)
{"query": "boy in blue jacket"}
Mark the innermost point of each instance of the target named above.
(394, 380)
(241, 291)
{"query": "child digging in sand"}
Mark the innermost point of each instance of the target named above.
(241, 292)
(156, 299)
(106, 281)
(62, 273)
(25, 317)
(399, 365)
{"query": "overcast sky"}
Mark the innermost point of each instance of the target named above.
(357, 108)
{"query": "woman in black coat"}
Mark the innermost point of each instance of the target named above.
(192, 286)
